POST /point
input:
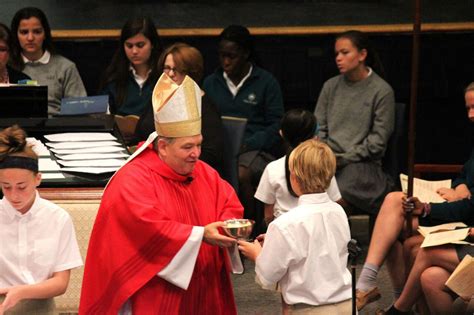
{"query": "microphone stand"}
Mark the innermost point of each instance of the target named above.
(354, 252)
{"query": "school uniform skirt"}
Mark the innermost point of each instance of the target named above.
(33, 307)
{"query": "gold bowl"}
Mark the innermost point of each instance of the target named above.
(238, 228)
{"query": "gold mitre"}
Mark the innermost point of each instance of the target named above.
(177, 108)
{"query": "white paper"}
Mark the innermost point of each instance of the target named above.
(82, 144)
(80, 136)
(38, 147)
(92, 156)
(47, 165)
(52, 176)
(425, 190)
(108, 149)
(93, 163)
(90, 170)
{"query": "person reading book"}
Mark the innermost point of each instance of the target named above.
(436, 283)
(446, 257)
(389, 227)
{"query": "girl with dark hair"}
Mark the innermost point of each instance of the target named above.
(132, 74)
(33, 54)
(356, 116)
(39, 246)
(242, 89)
(7, 73)
(274, 189)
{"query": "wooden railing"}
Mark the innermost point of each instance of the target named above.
(274, 30)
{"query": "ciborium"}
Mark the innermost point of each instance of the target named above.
(238, 228)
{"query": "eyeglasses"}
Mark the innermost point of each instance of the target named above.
(167, 70)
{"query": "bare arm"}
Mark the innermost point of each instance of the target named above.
(268, 213)
(54, 286)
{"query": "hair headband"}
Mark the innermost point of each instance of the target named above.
(19, 162)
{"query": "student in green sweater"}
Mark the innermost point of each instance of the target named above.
(33, 53)
(356, 116)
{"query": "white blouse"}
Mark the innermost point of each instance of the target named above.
(36, 244)
(272, 188)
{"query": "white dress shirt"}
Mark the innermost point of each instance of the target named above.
(305, 250)
(36, 244)
(272, 188)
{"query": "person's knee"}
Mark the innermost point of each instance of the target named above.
(429, 278)
(392, 203)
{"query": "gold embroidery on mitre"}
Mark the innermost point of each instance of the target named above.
(163, 91)
(190, 126)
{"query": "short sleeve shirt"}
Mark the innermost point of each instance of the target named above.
(273, 189)
(36, 244)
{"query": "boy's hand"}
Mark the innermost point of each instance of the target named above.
(250, 250)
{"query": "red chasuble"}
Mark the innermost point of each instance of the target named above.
(146, 215)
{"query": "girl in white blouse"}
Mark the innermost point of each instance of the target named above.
(38, 246)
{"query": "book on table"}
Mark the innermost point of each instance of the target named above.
(461, 280)
(425, 190)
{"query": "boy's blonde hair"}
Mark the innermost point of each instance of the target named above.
(313, 164)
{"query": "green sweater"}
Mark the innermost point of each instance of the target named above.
(356, 119)
(62, 78)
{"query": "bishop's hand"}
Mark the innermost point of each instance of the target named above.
(213, 236)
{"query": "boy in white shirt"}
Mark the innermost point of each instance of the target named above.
(305, 249)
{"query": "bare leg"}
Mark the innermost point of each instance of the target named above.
(388, 226)
(437, 295)
(410, 249)
(396, 266)
(442, 256)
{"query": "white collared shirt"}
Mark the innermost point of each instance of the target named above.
(43, 60)
(140, 80)
(273, 189)
(234, 89)
(305, 250)
(36, 244)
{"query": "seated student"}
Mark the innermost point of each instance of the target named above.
(240, 88)
(39, 246)
(440, 299)
(389, 228)
(33, 53)
(446, 257)
(132, 74)
(359, 143)
(177, 61)
(274, 189)
(7, 73)
(305, 249)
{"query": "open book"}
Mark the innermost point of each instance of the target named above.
(454, 233)
(425, 190)
(461, 280)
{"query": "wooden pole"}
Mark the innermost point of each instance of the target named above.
(413, 98)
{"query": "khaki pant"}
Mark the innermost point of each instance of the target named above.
(341, 308)
(32, 307)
